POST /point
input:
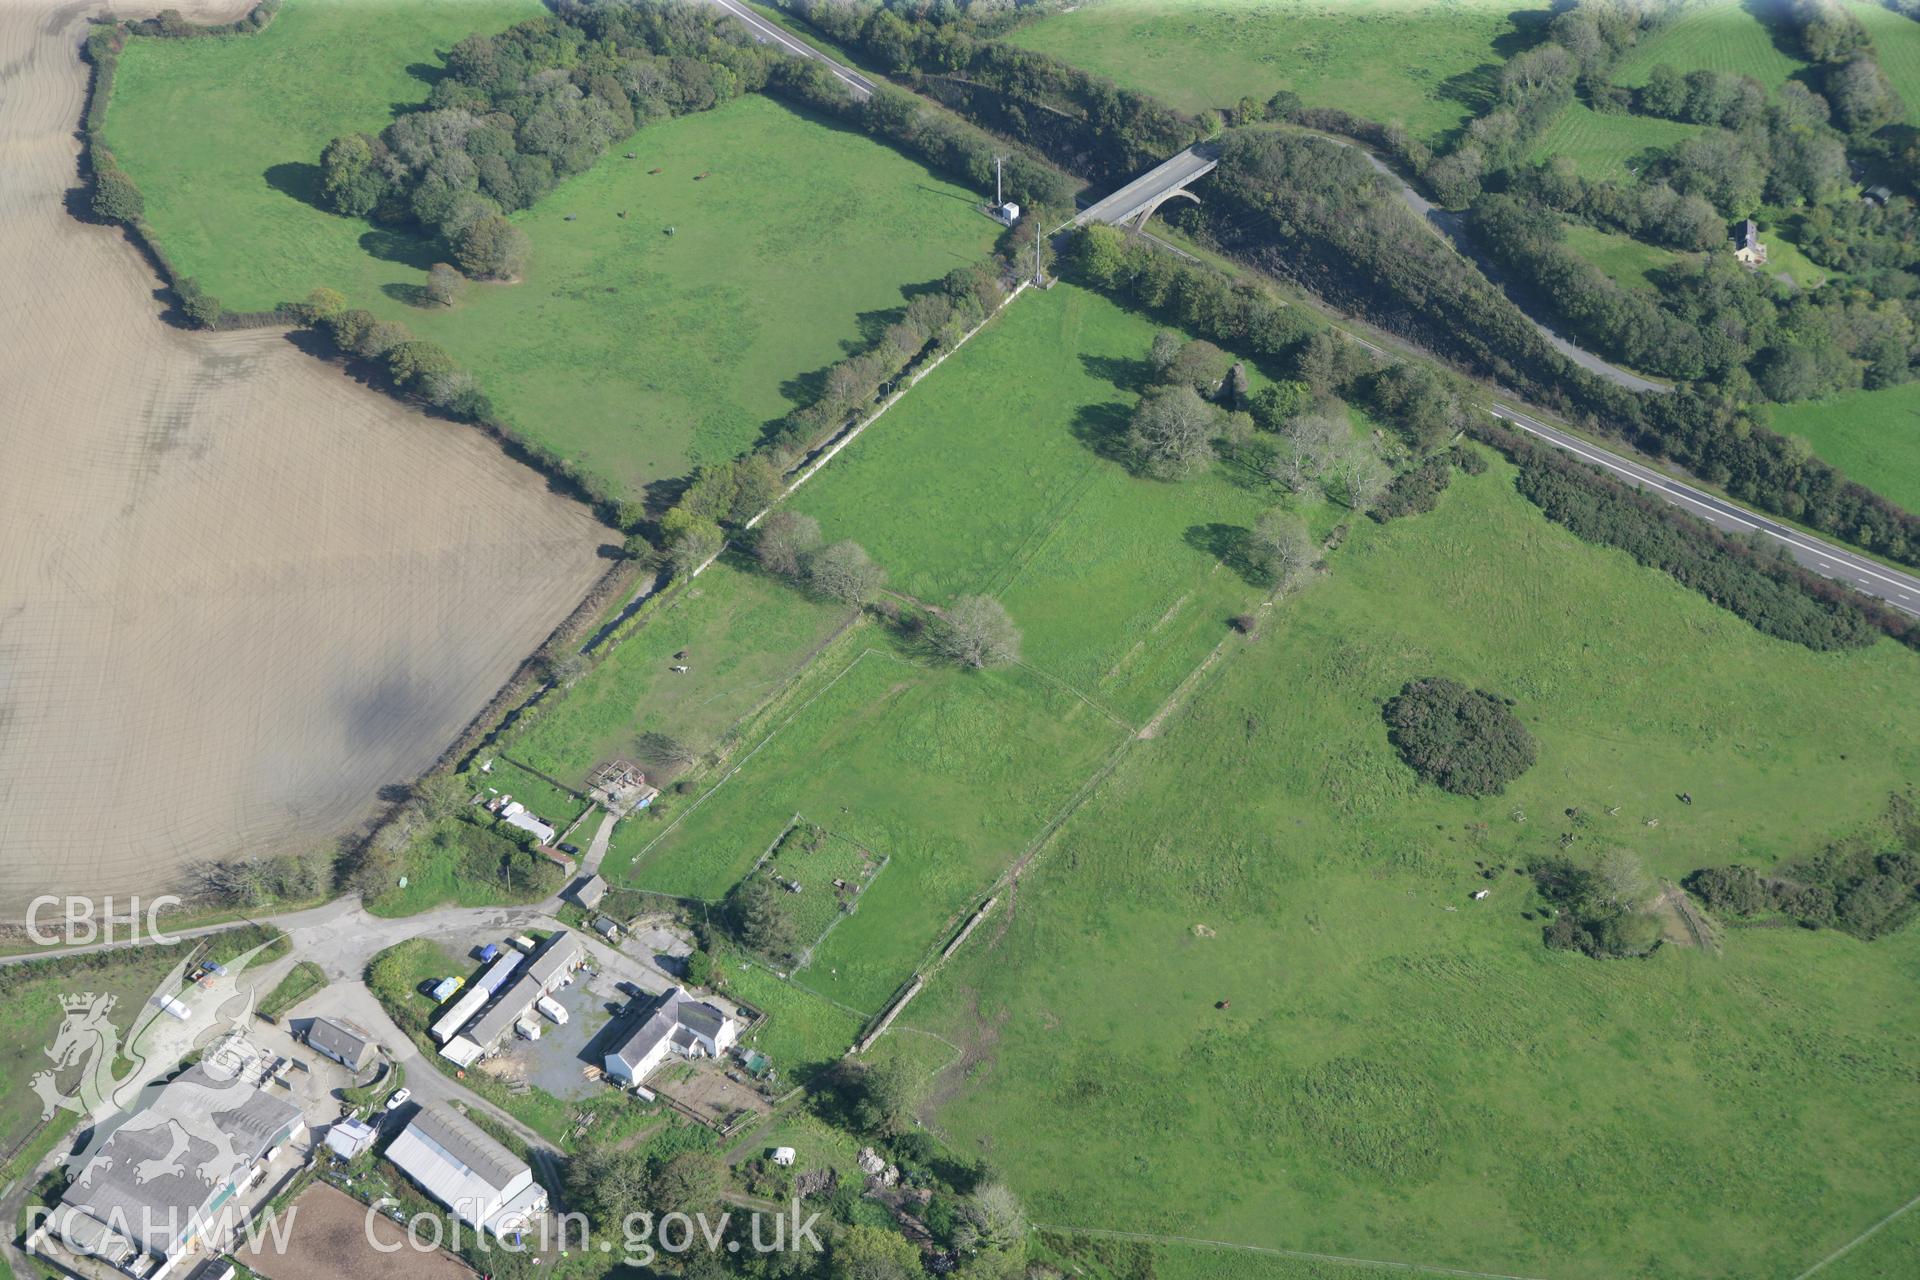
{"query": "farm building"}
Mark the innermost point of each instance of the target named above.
(342, 1041)
(525, 821)
(1748, 249)
(518, 816)
(149, 1194)
(348, 1138)
(675, 1023)
(483, 1183)
(588, 891)
(500, 966)
(548, 965)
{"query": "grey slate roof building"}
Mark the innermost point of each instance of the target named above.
(159, 1182)
(675, 1023)
(342, 1041)
(589, 890)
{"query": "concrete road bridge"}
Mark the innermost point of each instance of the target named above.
(1136, 202)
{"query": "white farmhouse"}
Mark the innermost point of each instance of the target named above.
(675, 1024)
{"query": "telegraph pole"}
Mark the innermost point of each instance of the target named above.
(998, 199)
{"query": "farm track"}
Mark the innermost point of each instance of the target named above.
(239, 593)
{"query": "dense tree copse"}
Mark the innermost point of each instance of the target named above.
(1867, 885)
(1598, 910)
(1466, 741)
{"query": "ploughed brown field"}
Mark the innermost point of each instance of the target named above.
(332, 1235)
(239, 593)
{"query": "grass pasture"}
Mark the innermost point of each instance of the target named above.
(997, 476)
(30, 1007)
(745, 636)
(630, 352)
(1627, 260)
(1714, 36)
(832, 872)
(1896, 46)
(1873, 436)
(1608, 146)
(1403, 1073)
(1428, 67)
(947, 773)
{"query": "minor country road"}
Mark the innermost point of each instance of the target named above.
(1453, 227)
(769, 33)
(1869, 577)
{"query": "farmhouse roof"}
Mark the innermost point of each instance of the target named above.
(675, 1015)
(340, 1039)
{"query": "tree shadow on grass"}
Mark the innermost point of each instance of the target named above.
(395, 246)
(1227, 543)
(872, 326)
(1477, 90)
(1529, 28)
(1772, 15)
(301, 181)
(414, 295)
(1127, 375)
(1103, 429)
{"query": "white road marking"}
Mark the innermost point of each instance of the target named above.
(1685, 496)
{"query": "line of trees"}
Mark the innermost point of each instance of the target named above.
(1312, 210)
(1083, 122)
(1867, 885)
(1767, 589)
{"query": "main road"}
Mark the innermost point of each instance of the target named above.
(1869, 577)
(770, 33)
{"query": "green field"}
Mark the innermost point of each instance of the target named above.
(1629, 261)
(301, 981)
(1713, 36)
(1893, 1253)
(459, 863)
(1896, 46)
(947, 773)
(1430, 68)
(1404, 1073)
(832, 873)
(744, 635)
(995, 477)
(1873, 436)
(630, 352)
(30, 1009)
(1606, 147)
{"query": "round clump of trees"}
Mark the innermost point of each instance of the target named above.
(1466, 741)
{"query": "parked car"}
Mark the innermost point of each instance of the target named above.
(573, 849)
(399, 1098)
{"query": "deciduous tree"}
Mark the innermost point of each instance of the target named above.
(976, 631)
(1172, 432)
